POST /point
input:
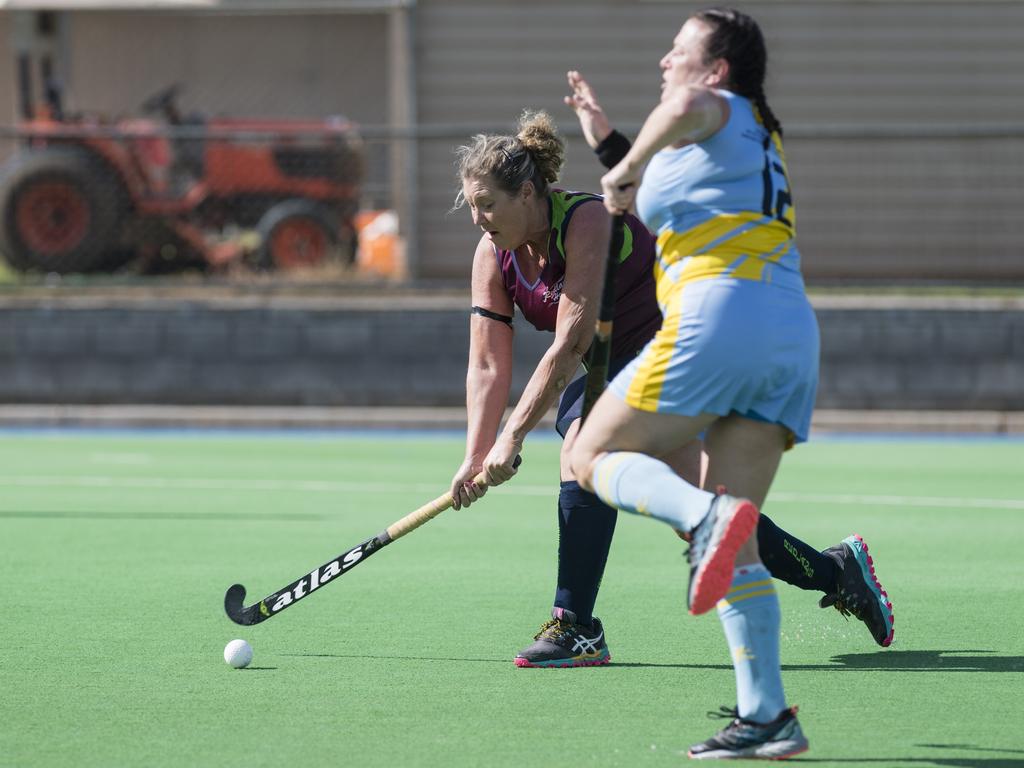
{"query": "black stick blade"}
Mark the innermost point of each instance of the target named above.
(276, 602)
(233, 606)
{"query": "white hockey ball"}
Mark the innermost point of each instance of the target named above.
(238, 653)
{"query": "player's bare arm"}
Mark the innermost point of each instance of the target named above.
(586, 246)
(687, 114)
(489, 374)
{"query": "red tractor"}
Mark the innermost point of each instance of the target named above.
(82, 195)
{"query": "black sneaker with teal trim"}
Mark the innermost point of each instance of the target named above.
(858, 592)
(777, 740)
(564, 642)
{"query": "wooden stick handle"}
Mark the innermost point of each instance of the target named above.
(428, 511)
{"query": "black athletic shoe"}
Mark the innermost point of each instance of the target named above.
(713, 547)
(777, 740)
(563, 642)
(858, 592)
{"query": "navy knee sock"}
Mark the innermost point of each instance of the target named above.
(585, 529)
(792, 561)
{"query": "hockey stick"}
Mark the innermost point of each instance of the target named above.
(274, 603)
(600, 349)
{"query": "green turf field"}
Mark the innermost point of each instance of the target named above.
(117, 549)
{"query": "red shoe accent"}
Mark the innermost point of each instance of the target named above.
(714, 577)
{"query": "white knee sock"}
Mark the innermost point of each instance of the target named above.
(637, 483)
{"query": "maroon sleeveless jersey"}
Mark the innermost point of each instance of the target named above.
(637, 317)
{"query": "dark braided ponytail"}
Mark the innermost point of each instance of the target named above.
(736, 38)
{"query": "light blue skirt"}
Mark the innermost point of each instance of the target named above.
(727, 346)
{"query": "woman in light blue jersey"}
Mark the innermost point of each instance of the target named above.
(844, 572)
(736, 357)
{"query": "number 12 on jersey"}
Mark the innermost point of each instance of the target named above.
(777, 203)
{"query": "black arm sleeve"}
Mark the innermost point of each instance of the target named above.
(491, 315)
(614, 147)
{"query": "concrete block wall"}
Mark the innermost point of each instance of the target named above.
(951, 358)
(222, 354)
(966, 355)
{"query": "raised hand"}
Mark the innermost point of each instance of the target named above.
(592, 118)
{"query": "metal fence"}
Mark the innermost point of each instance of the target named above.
(83, 196)
(327, 199)
(893, 177)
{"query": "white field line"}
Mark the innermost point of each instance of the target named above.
(895, 501)
(389, 486)
(127, 459)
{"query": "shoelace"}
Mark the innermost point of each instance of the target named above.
(700, 535)
(733, 714)
(725, 713)
(554, 628)
(845, 608)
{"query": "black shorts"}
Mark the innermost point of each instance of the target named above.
(570, 406)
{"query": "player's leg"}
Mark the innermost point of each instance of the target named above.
(573, 637)
(743, 455)
(626, 440)
(614, 455)
(794, 561)
(788, 558)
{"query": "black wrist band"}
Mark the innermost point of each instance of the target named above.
(612, 149)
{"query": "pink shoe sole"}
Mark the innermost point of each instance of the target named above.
(521, 662)
(714, 576)
(886, 604)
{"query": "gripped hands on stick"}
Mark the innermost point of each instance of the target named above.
(619, 187)
(500, 464)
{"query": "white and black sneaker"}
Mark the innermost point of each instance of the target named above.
(564, 642)
(777, 740)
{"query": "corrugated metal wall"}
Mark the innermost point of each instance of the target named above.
(284, 66)
(855, 82)
(892, 108)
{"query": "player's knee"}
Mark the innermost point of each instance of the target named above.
(582, 463)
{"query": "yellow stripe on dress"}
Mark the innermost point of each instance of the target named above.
(644, 390)
(735, 245)
(738, 245)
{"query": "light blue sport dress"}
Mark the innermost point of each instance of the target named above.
(738, 334)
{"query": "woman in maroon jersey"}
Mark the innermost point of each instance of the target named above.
(543, 249)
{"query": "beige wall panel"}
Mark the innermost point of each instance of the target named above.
(303, 65)
(868, 207)
(909, 208)
(831, 62)
(8, 82)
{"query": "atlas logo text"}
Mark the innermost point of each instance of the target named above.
(321, 575)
